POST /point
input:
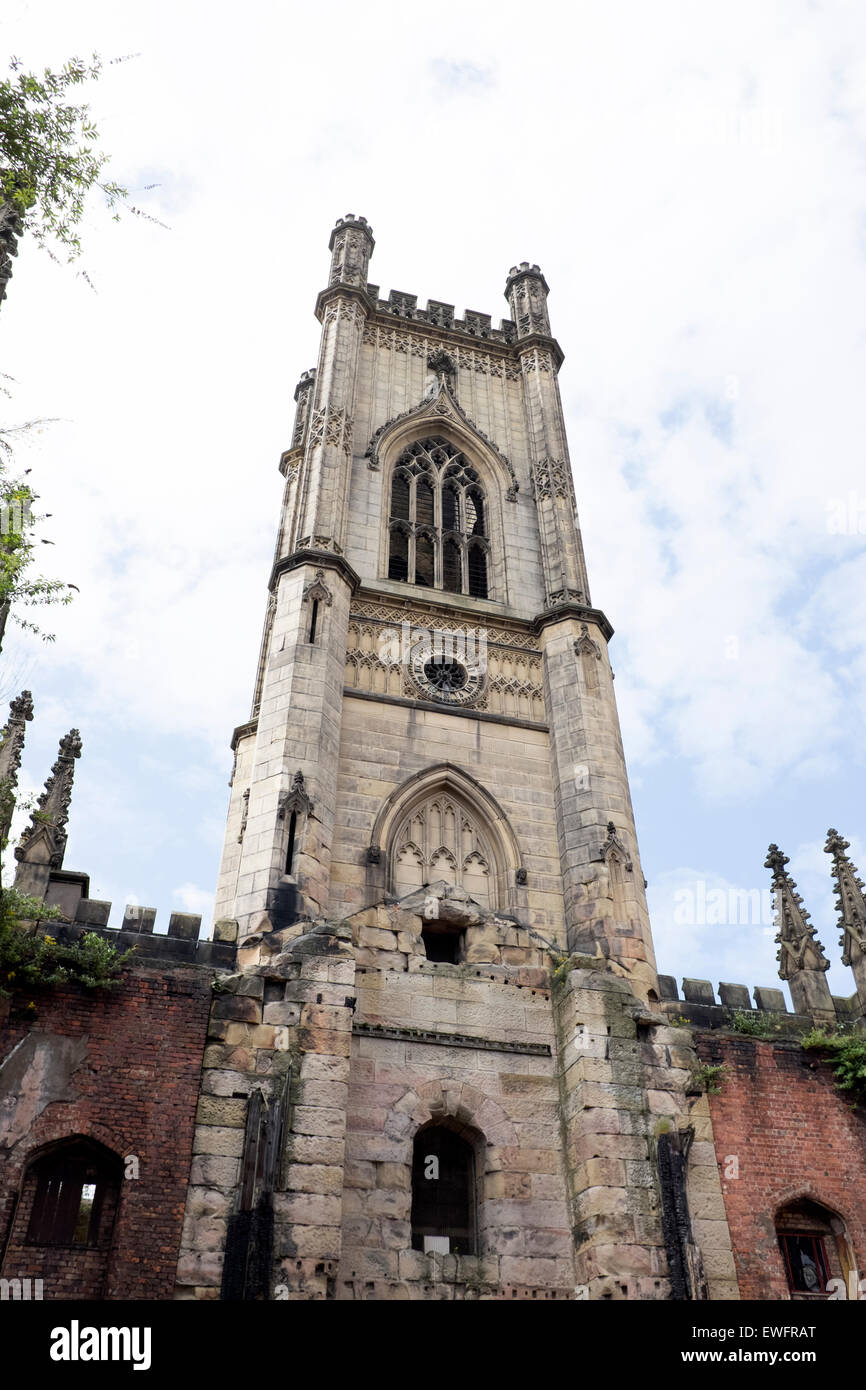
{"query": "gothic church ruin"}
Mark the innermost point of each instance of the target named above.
(426, 1053)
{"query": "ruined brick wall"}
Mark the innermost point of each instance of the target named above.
(792, 1135)
(121, 1068)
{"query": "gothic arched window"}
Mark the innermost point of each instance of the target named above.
(438, 521)
(443, 1193)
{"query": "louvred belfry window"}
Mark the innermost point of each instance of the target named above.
(438, 521)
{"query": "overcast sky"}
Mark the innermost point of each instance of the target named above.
(689, 176)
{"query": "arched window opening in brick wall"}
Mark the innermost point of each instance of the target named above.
(63, 1227)
(75, 1189)
(444, 1214)
(815, 1250)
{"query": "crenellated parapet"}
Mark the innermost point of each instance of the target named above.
(761, 1011)
(439, 315)
(181, 942)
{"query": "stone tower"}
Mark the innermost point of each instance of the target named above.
(429, 503)
(441, 1069)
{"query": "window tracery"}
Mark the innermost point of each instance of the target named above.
(438, 521)
(438, 840)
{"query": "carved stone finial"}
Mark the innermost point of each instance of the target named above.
(776, 861)
(850, 900)
(11, 748)
(44, 840)
(799, 951)
(304, 392)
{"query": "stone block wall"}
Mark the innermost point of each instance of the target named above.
(281, 1027)
(626, 1088)
(382, 745)
(471, 1047)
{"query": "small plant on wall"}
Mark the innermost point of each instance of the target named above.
(846, 1052)
(709, 1078)
(30, 962)
(753, 1025)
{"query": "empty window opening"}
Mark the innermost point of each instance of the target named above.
(314, 616)
(475, 513)
(443, 1193)
(446, 947)
(424, 503)
(74, 1199)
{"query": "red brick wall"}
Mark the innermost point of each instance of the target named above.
(135, 1092)
(794, 1135)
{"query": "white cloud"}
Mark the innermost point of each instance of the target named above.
(194, 899)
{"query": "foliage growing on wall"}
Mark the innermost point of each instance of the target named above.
(846, 1052)
(30, 962)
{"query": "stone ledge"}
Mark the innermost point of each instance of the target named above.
(466, 711)
(428, 1036)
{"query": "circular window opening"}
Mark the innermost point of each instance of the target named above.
(446, 676)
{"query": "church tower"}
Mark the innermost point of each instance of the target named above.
(430, 633)
(441, 1069)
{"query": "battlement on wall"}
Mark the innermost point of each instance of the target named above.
(179, 945)
(441, 315)
(700, 1007)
